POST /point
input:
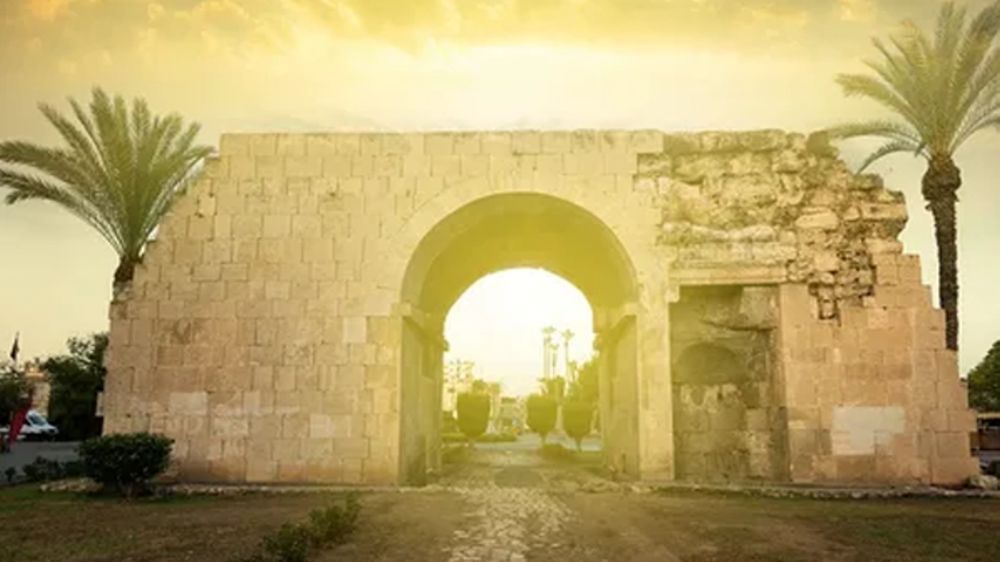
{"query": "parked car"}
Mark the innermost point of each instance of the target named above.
(35, 428)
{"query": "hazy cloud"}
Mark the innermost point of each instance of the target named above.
(238, 25)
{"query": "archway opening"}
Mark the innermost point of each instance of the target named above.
(514, 334)
(503, 232)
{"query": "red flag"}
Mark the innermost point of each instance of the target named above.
(15, 426)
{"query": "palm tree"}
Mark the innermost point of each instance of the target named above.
(120, 170)
(943, 90)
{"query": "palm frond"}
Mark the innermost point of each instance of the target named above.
(861, 85)
(25, 187)
(879, 128)
(891, 147)
(944, 86)
(973, 54)
(120, 169)
(980, 117)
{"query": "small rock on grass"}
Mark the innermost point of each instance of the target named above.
(984, 482)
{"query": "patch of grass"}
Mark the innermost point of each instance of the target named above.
(41, 526)
(925, 532)
(29, 496)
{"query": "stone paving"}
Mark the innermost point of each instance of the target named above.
(513, 507)
(505, 523)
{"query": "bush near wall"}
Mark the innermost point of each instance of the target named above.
(473, 414)
(125, 462)
(542, 414)
(46, 470)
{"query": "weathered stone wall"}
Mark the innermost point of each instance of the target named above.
(729, 419)
(779, 207)
(874, 396)
(266, 329)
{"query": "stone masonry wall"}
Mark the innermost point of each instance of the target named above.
(263, 331)
(775, 203)
(729, 419)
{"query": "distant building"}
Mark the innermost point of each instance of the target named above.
(987, 436)
(41, 388)
(458, 378)
(510, 415)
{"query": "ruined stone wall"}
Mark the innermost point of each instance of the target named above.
(874, 396)
(870, 392)
(782, 208)
(264, 330)
(729, 419)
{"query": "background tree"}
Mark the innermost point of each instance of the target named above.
(120, 170)
(984, 382)
(76, 380)
(554, 386)
(473, 414)
(542, 414)
(586, 387)
(943, 89)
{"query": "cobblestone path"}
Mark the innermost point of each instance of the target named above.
(515, 506)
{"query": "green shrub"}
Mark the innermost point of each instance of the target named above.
(290, 543)
(333, 524)
(125, 462)
(9, 474)
(45, 470)
(577, 418)
(542, 413)
(473, 414)
(994, 469)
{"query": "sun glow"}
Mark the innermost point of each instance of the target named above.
(498, 322)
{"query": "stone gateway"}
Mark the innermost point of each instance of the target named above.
(755, 315)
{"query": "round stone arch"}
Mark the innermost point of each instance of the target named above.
(502, 231)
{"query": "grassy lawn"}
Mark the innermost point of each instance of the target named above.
(718, 527)
(46, 526)
(420, 526)
(36, 526)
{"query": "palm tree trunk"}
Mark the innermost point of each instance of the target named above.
(123, 274)
(940, 190)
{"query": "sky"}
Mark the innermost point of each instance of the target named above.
(516, 318)
(410, 65)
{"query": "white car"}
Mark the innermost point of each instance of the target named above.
(35, 428)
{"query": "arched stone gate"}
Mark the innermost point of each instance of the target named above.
(518, 229)
(286, 323)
